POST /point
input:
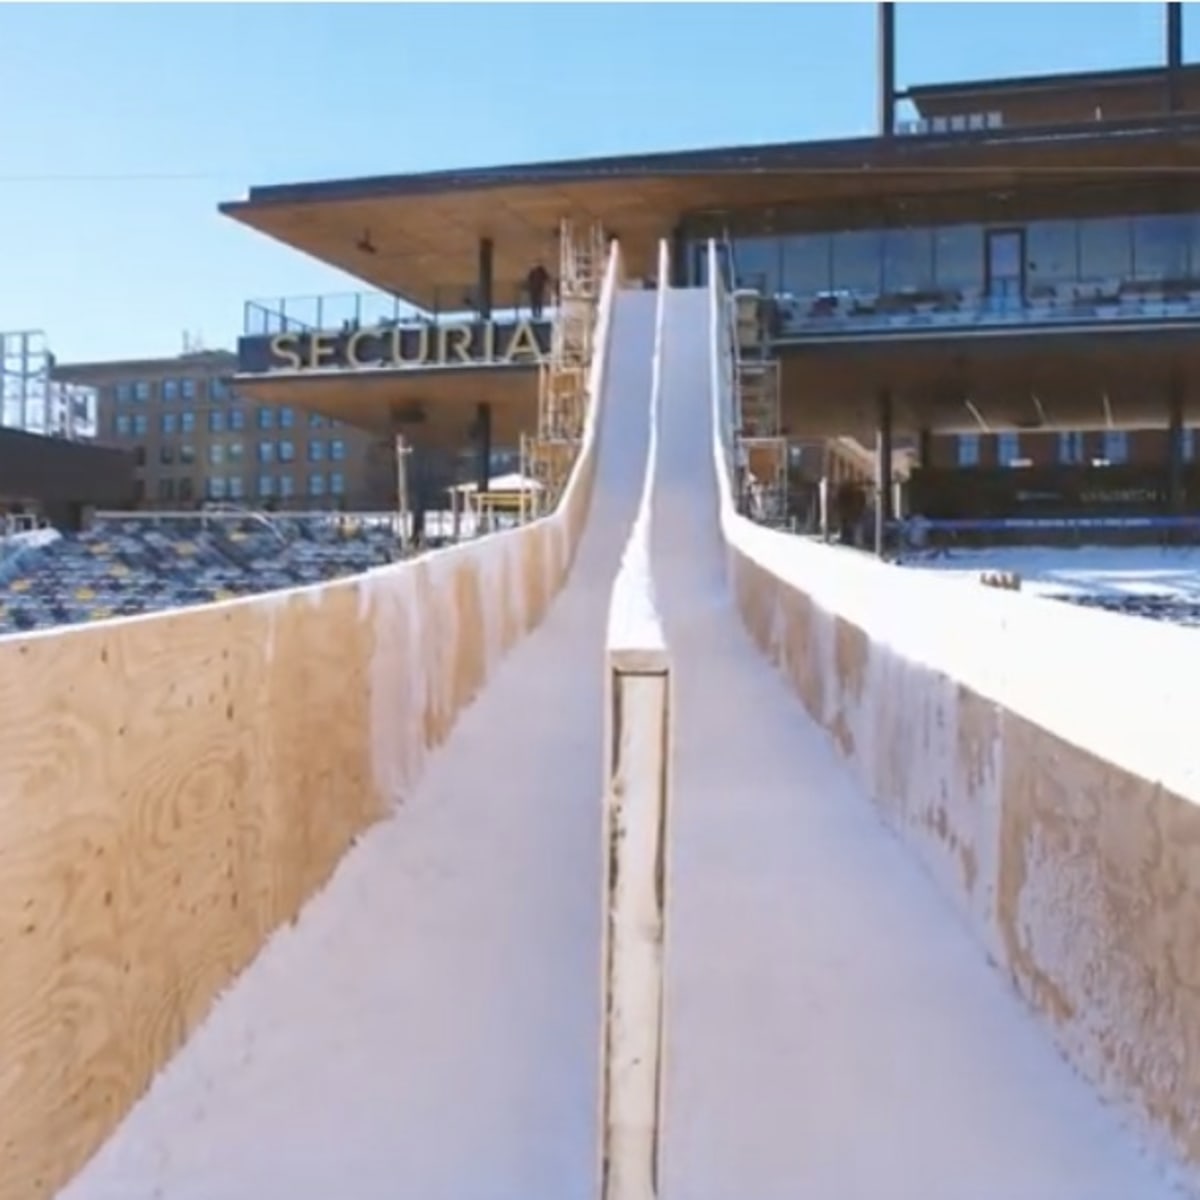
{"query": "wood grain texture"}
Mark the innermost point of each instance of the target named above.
(1081, 880)
(173, 788)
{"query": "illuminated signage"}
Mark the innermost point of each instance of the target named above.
(411, 347)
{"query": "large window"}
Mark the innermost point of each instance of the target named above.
(1051, 252)
(1106, 248)
(807, 264)
(187, 422)
(907, 260)
(1008, 448)
(1116, 446)
(216, 420)
(237, 419)
(858, 261)
(170, 389)
(337, 450)
(968, 450)
(1160, 247)
(958, 257)
(757, 263)
(1070, 447)
(266, 417)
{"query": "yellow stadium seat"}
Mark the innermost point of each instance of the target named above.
(99, 614)
(19, 585)
(84, 593)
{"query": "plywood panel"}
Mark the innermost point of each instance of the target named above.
(175, 787)
(1080, 879)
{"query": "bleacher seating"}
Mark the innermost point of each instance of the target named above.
(124, 566)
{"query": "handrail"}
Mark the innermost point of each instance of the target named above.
(636, 811)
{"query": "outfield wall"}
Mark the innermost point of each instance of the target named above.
(174, 787)
(1040, 758)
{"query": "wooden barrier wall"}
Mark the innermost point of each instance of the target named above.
(175, 787)
(1041, 760)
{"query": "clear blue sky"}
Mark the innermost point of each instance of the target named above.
(227, 96)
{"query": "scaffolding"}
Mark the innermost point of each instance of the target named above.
(30, 400)
(548, 455)
(762, 448)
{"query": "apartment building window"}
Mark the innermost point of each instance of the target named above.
(166, 489)
(140, 424)
(216, 420)
(139, 456)
(235, 451)
(266, 417)
(168, 422)
(1008, 448)
(236, 489)
(287, 417)
(968, 449)
(189, 389)
(266, 485)
(1189, 444)
(316, 452)
(266, 452)
(218, 390)
(141, 391)
(287, 486)
(121, 425)
(337, 483)
(123, 393)
(185, 488)
(237, 419)
(316, 484)
(1116, 445)
(170, 389)
(216, 454)
(287, 452)
(166, 454)
(337, 450)
(317, 421)
(1070, 447)
(187, 422)
(215, 487)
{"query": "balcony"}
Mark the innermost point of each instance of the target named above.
(346, 311)
(1114, 272)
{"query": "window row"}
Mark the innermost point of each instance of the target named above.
(1155, 248)
(234, 487)
(1070, 448)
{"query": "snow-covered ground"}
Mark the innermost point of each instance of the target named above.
(1158, 582)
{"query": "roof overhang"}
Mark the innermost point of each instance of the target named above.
(418, 236)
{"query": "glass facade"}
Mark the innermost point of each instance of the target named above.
(1101, 269)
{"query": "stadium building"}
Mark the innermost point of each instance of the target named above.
(1004, 283)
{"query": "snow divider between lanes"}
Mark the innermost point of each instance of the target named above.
(636, 803)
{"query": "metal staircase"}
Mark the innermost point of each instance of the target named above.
(548, 455)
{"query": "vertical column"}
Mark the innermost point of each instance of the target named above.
(883, 470)
(1175, 497)
(486, 298)
(483, 445)
(679, 258)
(925, 447)
(1174, 56)
(886, 13)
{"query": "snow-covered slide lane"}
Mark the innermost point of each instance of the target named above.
(833, 1031)
(429, 1029)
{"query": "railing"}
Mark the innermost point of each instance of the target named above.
(369, 310)
(636, 812)
(849, 313)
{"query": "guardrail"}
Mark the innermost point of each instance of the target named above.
(636, 810)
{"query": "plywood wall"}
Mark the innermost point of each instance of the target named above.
(1081, 879)
(175, 787)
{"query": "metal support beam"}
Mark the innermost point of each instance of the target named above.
(486, 264)
(483, 443)
(1174, 56)
(887, 68)
(883, 470)
(1175, 497)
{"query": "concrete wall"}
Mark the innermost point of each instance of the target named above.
(175, 787)
(1041, 761)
